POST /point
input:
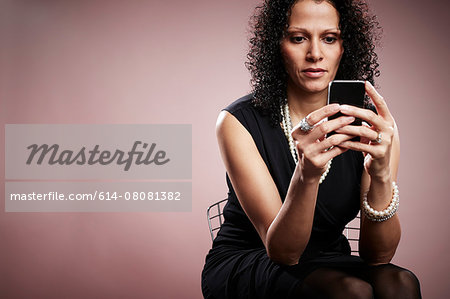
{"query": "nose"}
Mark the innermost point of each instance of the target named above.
(314, 52)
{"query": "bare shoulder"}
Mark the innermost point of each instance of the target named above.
(230, 131)
(236, 145)
(228, 123)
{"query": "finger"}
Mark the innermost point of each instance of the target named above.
(332, 153)
(322, 159)
(319, 148)
(319, 114)
(361, 131)
(378, 100)
(365, 140)
(326, 127)
(364, 114)
(374, 151)
(333, 141)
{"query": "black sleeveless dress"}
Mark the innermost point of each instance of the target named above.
(237, 266)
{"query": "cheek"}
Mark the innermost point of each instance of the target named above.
(284, 54)
(289, 60)
(337, 56)
(340, 54)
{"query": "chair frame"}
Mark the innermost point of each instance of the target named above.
(216, 211)
(212, 209)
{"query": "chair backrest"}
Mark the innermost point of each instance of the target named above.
(351, 232)
(214, 214)
(215, 217)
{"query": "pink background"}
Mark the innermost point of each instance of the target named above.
(181, 62)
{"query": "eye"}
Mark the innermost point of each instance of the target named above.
(330, 39)
(298, 39)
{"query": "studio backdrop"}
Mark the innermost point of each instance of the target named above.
(145, 81)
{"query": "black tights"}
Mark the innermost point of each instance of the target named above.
(380, 282)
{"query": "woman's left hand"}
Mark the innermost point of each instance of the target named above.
(376, 138)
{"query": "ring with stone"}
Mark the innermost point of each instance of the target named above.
(305, 125)
(378, 140)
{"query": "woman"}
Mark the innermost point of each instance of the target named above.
(288, 204)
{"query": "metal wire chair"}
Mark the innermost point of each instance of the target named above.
(214, 215)
(351, 232)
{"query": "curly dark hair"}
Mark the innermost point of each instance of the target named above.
(360, 32)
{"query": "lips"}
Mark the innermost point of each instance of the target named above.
(314, 72)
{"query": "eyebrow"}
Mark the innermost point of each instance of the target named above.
(335, 30)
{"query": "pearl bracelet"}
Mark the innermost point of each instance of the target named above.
(387, 213)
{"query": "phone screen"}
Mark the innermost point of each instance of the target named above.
(349, 93)
(346, 92)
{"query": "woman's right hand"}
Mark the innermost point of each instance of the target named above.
(313, 147)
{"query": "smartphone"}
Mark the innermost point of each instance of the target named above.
(349, 92)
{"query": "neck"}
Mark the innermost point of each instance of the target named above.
(301, 103)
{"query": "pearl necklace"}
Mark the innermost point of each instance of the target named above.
(287, 128)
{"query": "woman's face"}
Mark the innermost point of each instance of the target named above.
(312, 46)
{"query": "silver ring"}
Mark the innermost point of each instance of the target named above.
(305, 126)
(330, 148)
(378, 140)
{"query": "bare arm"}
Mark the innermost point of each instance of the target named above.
(378, 240)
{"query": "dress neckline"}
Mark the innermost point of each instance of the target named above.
(286, 148)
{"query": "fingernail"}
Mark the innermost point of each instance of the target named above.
(335, 107)
(345, 108)
(350, 118)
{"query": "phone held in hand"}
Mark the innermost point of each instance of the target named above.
(348, 92)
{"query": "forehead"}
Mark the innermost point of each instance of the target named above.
(313, 14)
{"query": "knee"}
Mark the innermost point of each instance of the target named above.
(336, 286)
(400, 284)
(352, 287)
(405, 279)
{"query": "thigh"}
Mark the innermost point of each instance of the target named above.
(246, 274)
(334, 283)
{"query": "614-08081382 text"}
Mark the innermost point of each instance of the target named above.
(102, 195)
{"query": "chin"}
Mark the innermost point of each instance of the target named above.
(315, 87)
